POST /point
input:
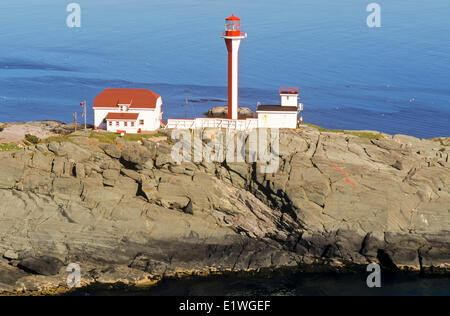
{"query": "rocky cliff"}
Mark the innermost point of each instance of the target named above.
(125, 211)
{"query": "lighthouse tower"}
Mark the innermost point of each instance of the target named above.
(233, 37)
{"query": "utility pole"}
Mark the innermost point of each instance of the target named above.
(83, 114)
(75, 117)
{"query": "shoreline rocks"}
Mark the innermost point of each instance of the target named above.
(222, 112)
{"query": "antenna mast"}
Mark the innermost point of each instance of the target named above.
(186, 104)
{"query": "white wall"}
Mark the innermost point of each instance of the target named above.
(100, 115)
(151, 117)
(235, 43)
(277, 120)
(129, 129)
(289, 99)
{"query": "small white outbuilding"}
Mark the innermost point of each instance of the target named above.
(283, 115)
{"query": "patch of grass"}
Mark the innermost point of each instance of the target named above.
(8, 147)
(57, 138)
(104, 137)
(156, 135)
(367, 135)
(136, 137)
(109, 137)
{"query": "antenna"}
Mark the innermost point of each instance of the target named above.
(83, 113)
(186, 104)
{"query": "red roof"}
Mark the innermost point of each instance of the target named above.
(137, 98)
(233, 18)
(122, 116)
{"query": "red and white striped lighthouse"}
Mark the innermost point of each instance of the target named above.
(233, 37)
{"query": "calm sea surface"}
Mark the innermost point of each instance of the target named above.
(394, 78)
(288, 284)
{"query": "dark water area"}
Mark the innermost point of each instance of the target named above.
(286, 284)
(392, 79)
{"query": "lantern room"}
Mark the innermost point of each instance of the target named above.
(233, 26)
(289, 96)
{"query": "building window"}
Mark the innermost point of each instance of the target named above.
(117, 123)
(132, 124)
(125, 123)
(110, 123)
(141, 122)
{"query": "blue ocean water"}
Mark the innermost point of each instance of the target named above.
(394, 78)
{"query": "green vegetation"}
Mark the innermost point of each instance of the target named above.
(108, 137)
(57, 138)
(8, 147)
(32, 139)
(104, 137)
(368, 135)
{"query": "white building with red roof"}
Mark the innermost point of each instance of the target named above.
(127, 110)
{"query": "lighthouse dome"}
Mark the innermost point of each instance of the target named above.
(233, 18)
(233, 26)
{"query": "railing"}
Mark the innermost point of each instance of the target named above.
(180, 124)
(241, 34)
(246, 124)
(289, 90)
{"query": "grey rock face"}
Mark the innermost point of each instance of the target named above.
(42, 161)
(110, 176)
(58, 166)
(112, 150)
(80, 171)
(43, 265)
(136, 154)
(70, 151)
(11, 172)
(129, 210)
(67, 188)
